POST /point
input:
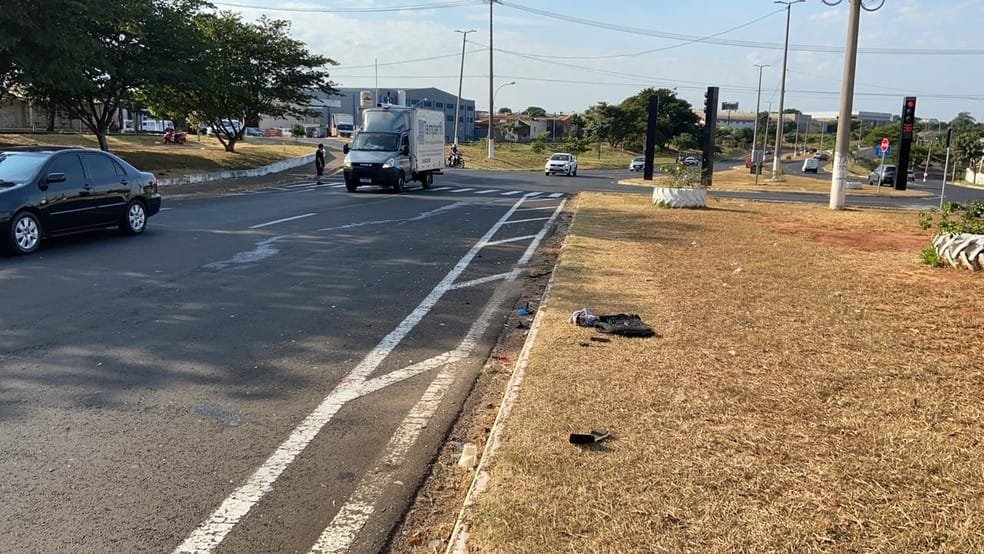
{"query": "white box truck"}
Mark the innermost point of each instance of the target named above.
(395, 144)
(342, 125)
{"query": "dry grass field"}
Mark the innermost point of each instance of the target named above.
(813, 389)
(149, 153)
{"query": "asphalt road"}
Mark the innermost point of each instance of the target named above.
(265, 372)
(262, 372)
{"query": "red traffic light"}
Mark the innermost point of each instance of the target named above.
(910, 104)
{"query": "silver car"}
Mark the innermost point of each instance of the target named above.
(637, 164)
(561, 162)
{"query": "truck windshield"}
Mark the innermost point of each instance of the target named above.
(385, 142)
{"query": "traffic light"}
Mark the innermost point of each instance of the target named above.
(707, 138)
(905, 141)
(908, 116)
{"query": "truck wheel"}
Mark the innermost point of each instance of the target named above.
(426, 180)
(398, 184)
(351, 185)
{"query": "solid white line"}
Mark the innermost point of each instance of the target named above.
(556, 195)
(486, 191)
(461, 190)
(508, 276)
(512, 192)
(268, 223)
(513, 239)
(528, 220)
(230, 512)
(353, 515)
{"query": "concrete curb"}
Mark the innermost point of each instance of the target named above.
(237, 173)
(458, 541)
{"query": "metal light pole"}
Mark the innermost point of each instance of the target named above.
(758, 101)
(492, 120)
(839, 180)
(461, 78)
(776, 161)
(491, 92)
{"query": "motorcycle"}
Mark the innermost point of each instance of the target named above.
(456, 160)
(173, 137)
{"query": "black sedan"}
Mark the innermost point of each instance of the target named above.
(50, 191)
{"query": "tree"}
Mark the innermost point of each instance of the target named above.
(504, 110)
(685, 141)
(610, 123)
(242, 71)
(674, 115)
(963, 122)
(535, 111)
(968, 147)
(101, 52)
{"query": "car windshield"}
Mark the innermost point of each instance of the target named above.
(381, 142)
(640, 160)
(561, 157)
(18, 167)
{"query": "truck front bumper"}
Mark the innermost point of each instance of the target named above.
(372, 174)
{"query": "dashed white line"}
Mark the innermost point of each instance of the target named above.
(511, 192)
(556, 195)
(462, 190)
(441, 188)
(531, 194)
(268, 223)
(486, 191)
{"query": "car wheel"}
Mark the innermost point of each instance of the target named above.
(351, 184)
(398, 184)
(134, 219)
(547, 173)
(426, 180)
(575, 172)
(25, 233)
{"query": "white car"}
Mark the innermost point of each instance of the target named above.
(691, 161)
(637, 164)
(561, 162)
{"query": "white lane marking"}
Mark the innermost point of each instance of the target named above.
(511, 192)
(230, 512)
(486, 191)
(528, 220)
(532, 194)
(513, 239)
(441, 188)
(508, 276)
(166, 209)
(556, 195)
(418, 217)
(338, 186)
(461, 190)
(305, 184)
(539, 236)
(353, 515)
(268, 223)
(535, 208)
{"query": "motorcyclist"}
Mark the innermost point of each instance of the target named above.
(455, 155)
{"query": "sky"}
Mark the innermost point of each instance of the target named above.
(567, 55)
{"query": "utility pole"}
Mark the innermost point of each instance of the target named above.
(776, 161)
(461, 78)
(756, 164)
(490, 140)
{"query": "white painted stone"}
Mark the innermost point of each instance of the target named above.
(680, 197)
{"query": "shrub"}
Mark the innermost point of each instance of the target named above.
(955, 218)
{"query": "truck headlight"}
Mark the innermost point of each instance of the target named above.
(390, 163)
(347, 163)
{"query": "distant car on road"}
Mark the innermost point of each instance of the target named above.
(254, 132)
(48, 190)
(691, 160)
(561, 162)
(822, 156)
(911, 175)
(811, 165)
(637, 164)
(881, 175)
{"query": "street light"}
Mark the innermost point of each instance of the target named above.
(758, 99)
(491, 140)
(461, 77)
(782, 90)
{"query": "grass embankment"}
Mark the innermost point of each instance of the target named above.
(814, 389)
(199, 155)
(512, 156)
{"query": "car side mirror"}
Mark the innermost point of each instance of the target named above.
(55, 178)
(345, 148)
(405, 150)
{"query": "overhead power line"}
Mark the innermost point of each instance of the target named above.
(379, 9)
(742, 43)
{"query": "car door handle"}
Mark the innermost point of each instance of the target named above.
(124, 182)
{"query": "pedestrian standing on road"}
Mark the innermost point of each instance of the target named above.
(319, 161)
